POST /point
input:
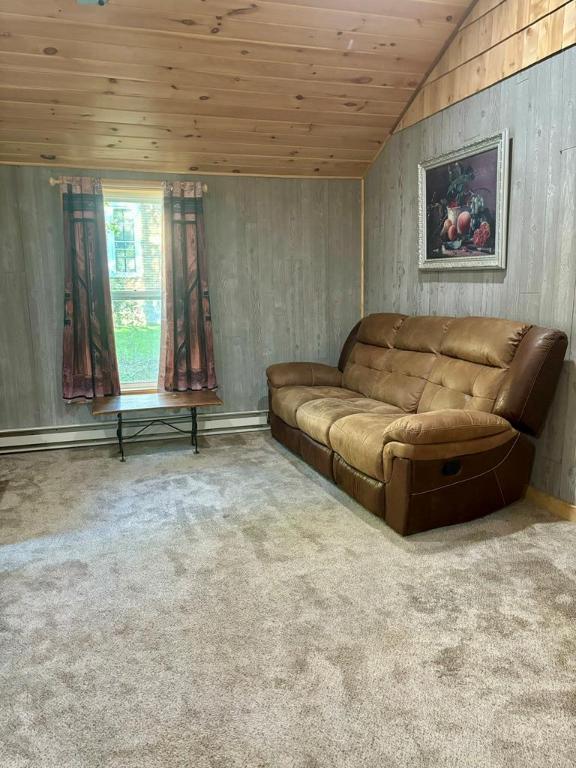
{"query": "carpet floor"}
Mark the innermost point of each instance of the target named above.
(236, 610)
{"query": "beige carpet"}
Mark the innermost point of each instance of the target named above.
(235, 610)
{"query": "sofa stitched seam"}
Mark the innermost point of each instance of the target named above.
(474, 383)
(389, 373)
(499, 486)
(365, 437)
(395, 370)
(474, 477)
(480, 365)
(535, 379)
(459, 391)
(411, 431)
(443, 386)
(339, 418)
(414, 431)
(441, 352)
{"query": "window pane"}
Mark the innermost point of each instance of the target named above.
(137, 332)
(134, 238)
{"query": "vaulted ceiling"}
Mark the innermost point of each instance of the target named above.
(279, 87)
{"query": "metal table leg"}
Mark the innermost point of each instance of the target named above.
(120, 437)
(194, 431)
(144, 424)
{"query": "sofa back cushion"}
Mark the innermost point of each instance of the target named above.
(474, 357)
(422, 334)
(431, 363)
(393, 358)
(380, 329)
(483, 340)
(457, 383)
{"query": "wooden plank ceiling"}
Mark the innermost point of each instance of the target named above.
(271, 87)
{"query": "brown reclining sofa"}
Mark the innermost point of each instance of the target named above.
(424, 421)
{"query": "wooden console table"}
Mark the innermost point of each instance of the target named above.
(155, 401)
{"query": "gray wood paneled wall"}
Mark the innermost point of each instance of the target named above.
(284, 270)
(538, 106)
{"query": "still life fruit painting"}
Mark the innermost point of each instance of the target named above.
(463, 206)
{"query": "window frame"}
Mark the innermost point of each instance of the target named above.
(123, 194)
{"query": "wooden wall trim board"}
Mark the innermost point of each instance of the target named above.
(497, 40)
(362, 243)
(552, 504)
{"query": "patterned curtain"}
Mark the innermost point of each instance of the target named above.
(187, 355)
(89, 363)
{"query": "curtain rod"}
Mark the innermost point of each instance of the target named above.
(123, 183)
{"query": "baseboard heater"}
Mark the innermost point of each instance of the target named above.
(104, 432)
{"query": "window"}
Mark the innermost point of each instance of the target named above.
(134, 244)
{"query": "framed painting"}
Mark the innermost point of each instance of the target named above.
(463, 207)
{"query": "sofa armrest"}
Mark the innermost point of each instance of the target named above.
(444, 435)
(448, 426)
(303, 374)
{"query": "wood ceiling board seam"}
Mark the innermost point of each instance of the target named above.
(229, 149)
(99, 85)
(44, 64)
(215, 66)
(126, 104)
(320, 19)
(278, 54)
(243, 28)
(345, 43)
(402, 45)
(176, 122)
(183, 172)
(230, 138)
(471, 18)
(192, 156)
(363, 5)
(390, 11)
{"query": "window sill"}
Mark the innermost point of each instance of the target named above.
(139, 390)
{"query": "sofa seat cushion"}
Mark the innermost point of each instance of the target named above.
(359, 440)
(287, 400)
(317, 416)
